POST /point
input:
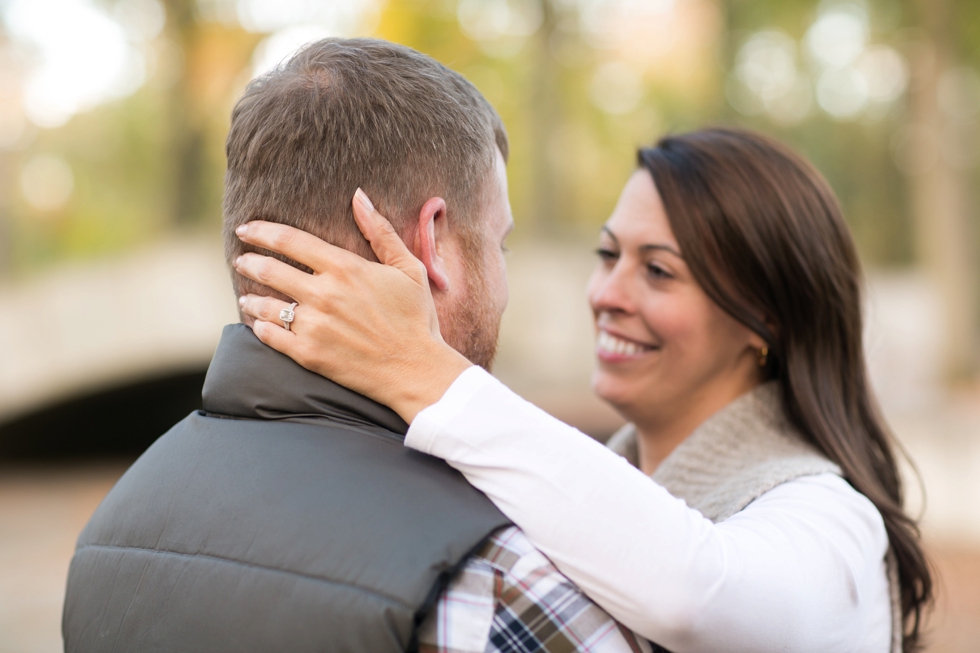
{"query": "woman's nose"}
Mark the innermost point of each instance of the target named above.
(609, 290)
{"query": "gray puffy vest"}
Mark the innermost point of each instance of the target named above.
(285, 516)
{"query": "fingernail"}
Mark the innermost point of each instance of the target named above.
(241, 230)
(237, 261)
(363, 199)
(241, 301)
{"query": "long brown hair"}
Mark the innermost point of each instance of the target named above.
(764, 236)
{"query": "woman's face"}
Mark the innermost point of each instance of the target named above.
(664, 349)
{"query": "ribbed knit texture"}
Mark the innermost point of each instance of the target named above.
(737, 455)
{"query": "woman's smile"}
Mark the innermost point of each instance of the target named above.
(614, 348)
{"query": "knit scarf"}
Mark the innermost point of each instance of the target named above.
(737, 455)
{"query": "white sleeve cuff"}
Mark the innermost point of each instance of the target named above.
(430, 422)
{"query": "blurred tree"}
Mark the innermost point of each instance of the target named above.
(186, 125)
(6, 219)
(545, 114)
(8, 95)
(946, 228)
(213, 57)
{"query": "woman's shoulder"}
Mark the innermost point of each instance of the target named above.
(825, 525)
(819, 488)
(823, 504)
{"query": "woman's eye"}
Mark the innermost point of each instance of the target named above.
(657, 272)
(606, 255)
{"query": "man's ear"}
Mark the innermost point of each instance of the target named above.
(432, 226)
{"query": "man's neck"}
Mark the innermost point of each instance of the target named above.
(250, 380)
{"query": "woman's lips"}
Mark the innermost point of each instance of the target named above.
(610, 348)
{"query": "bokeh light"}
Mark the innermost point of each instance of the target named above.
(959, 93)
(277, 47)
(885, 73)
(846, 75)
(80, 56)
(767, 67)
(842, 92)
(491, 20)
(839, 34)
(616, 88)
(47, 183)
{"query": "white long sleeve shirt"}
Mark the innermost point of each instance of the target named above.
(801, 569)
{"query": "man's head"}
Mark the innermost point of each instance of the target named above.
(420, 140)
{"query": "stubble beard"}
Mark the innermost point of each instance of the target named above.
(472, 325)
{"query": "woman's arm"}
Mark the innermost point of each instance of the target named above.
(800, 569)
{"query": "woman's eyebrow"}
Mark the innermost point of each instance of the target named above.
(660, 246)
(609, 233)
(645, 248)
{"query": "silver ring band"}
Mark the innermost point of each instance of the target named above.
(287, 315)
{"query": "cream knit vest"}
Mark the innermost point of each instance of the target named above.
(737, 455)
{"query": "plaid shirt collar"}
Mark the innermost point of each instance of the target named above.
(509, 598)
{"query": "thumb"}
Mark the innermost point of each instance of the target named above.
(385, 241)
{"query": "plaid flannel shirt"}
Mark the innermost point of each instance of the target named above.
(509, 598)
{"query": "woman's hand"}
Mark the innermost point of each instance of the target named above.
(370, 327)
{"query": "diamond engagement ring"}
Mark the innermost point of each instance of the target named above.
(287, 315)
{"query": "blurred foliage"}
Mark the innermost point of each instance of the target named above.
(576, 103)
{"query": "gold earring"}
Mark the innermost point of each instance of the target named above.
(763, 356)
